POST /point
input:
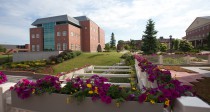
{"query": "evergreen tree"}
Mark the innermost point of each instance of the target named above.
(112, 42)
(208, 41)
(150, 44)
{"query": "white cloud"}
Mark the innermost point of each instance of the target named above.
(126, 18)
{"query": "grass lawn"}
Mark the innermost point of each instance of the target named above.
(105, 58)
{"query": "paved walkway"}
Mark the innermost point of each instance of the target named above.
(17, 78)
(204, 73)
(185, 77)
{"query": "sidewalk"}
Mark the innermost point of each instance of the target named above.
(203, 73)
(185, 77)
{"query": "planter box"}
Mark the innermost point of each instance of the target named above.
(57, 103)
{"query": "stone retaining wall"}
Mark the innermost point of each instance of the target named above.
(32, 56)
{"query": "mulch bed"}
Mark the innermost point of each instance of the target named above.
(201, 89)
(175, 68)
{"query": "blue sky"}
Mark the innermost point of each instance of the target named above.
(126, 18)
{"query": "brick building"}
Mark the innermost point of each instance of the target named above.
(198, 31)
(66, 33)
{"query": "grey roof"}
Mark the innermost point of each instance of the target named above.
(206, 17)
(60, 18)
(82, 18)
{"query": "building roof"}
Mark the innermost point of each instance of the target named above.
(199, 21)
(61, 18)
(206, 17)
(82, 18)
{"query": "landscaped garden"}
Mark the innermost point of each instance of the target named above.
(64, 62)
(167, 91)
(103, 58)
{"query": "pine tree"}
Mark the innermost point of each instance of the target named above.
(208, 41)
(150, 44)
(112, 42)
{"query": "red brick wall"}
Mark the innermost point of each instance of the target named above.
(74, 39)
(36, 41)
(61, 39)
(199, 31)
(102, 38)
(94, 42)
(27, 46)
(85, 38)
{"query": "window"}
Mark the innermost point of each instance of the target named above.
(33, 47)
(72, 34)
(32, 36)
(58, 46)
(75, 46)
(37, 47)
(64, 33)
(64, 46)
(37, 35)
(72, 45)
(58, 33)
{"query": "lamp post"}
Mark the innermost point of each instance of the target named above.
(170, 44)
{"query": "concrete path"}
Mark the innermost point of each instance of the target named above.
(204, 73)
(185, 77)
(17, 78)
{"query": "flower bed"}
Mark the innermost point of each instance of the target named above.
(168, 89)
(3, 78)
(100, 93)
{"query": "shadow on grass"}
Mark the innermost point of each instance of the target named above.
(93, 56)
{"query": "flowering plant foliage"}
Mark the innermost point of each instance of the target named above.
(3, 78)
(24, 88)
(47, 84)
(168, 89)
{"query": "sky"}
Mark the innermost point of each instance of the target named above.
(125, 18)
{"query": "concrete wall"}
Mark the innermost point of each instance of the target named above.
(64, 103)
(32, 56)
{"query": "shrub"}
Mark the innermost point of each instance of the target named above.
(53, 58)
(77, 53)
(59, 60)
(124, 56)
(129, 60)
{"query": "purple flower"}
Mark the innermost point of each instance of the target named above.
(3, 78)
(142, 97)
(24, 88)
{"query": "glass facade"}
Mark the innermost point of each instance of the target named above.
(49, 36)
